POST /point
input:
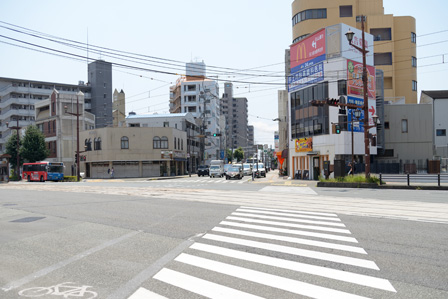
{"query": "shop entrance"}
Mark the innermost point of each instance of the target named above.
(316, 168)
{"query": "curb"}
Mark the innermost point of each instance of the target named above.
(375, 186)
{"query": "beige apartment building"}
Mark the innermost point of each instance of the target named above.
(133, 152)
(394, 38)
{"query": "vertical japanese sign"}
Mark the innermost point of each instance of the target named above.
(355, 85)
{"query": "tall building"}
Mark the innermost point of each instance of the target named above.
(119, 108)
(394, 38)
(18, 97)
(235, 111)
(198, 95)
(100, 78)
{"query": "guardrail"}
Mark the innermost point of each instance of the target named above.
(421, 178)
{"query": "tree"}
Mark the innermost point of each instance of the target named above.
(34, 148)
(11, 149)
(239, 154)
(229, 154)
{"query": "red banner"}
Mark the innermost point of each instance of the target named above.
(309, 48)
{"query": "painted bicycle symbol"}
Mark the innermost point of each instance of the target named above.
(65, 289)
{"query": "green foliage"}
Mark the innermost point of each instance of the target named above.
(34, 148)
(13, 176)
(359, 178)
(239, 154)
(11, 149)
(70, 179)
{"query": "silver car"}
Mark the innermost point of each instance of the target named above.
(247, 169)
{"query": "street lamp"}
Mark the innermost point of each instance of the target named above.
(364, 52)
(77, 114)
(17, 128)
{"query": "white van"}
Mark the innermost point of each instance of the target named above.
(216, 168)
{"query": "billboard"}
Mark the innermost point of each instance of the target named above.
(350, 52)
(355, 85)
(306, 76)
(359, 126)
(304, 145)
(308, 51)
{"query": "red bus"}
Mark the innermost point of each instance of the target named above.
(43, 171)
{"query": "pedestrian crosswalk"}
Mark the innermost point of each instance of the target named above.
(271, 253)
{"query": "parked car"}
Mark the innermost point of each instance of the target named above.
(247, 169)
(234, 172)
(203, 170)
(259, 170)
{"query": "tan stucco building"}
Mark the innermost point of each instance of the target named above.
(134, 152)
(59, 128)
(394, 38)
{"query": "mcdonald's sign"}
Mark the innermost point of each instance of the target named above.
(308, 51)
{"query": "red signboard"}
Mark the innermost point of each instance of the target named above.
(309, 48)
(354, 79)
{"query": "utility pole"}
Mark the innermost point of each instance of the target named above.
(17, 128)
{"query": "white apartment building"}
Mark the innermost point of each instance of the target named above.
(198, 95)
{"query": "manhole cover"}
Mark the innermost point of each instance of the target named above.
(28, 219)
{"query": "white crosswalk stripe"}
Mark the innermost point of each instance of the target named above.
(210, 267)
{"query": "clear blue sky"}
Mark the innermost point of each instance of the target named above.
(243, 34)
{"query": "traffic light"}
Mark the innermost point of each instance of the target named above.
(337, 129)
(76, 157)
(333, 102)
(216, 134)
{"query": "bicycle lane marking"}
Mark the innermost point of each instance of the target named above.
(62, 289)
(61, 264)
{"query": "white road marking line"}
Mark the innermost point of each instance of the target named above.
(61, 264)
(290, 231)
(289, 213)
(289, 190)
(290, 285)
(237, 213)
(296, 251)
(143, 293)
(200, 286)
(312, 227)
(291, 240)
(355, 278)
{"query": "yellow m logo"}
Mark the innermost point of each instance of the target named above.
(301, 52)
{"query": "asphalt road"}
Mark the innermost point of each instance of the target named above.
(191, 238)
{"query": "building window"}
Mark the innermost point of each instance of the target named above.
(404, 126)
(124, 142)
(164, 142)
(441, 132)
(97, 144)
(166, 124)
(54, 126)
(381, 34)
(345, 11)
(413, 37)
(156, 142)
(383, 58)
(175, 143)
(414, 61)
(104, 95)
(414, 85)
(386, 125)
(342, 87)
(88, 144)
(320, 13)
